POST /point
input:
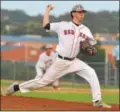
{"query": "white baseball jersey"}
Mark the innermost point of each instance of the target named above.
(45, 61)
(69, 36)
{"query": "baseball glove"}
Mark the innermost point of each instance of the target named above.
(87, 48)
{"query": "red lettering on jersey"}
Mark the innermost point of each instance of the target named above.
(68, 32)
(72, 32)
(83, 35)
(65, 32)
(86, 37)
(80, 34)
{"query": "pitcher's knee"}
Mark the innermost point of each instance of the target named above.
(92, 71)
(43, 82)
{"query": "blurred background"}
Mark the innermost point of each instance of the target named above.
(22, 37)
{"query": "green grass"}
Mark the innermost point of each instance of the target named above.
(63, 85)
(75, 97)
(5, 83)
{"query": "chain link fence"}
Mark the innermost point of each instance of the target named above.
(23, 71)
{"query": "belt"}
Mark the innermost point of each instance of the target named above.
(65, 58)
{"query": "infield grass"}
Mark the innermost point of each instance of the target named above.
(62, 84)
(76, 97)
(68, 96)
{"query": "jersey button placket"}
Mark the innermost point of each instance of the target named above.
(75, 42)
(74, 37)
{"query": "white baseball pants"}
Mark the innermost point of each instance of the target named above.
(62, 67)
(40, 74)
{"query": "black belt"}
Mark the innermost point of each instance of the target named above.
(65, 58)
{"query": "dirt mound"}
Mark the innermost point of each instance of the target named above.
(28, 103)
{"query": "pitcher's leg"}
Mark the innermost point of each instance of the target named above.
(89, 74)
(50, 76)
(53, 73)
(31, 84)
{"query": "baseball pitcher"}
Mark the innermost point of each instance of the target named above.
(73, 36)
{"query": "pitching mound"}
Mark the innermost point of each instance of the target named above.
(28, 103)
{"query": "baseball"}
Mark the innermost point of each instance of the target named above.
(51, 6)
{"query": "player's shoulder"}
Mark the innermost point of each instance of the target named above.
(85, 27)
(42, 55)
(65, 22)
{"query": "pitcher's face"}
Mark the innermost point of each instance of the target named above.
(79, 15)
